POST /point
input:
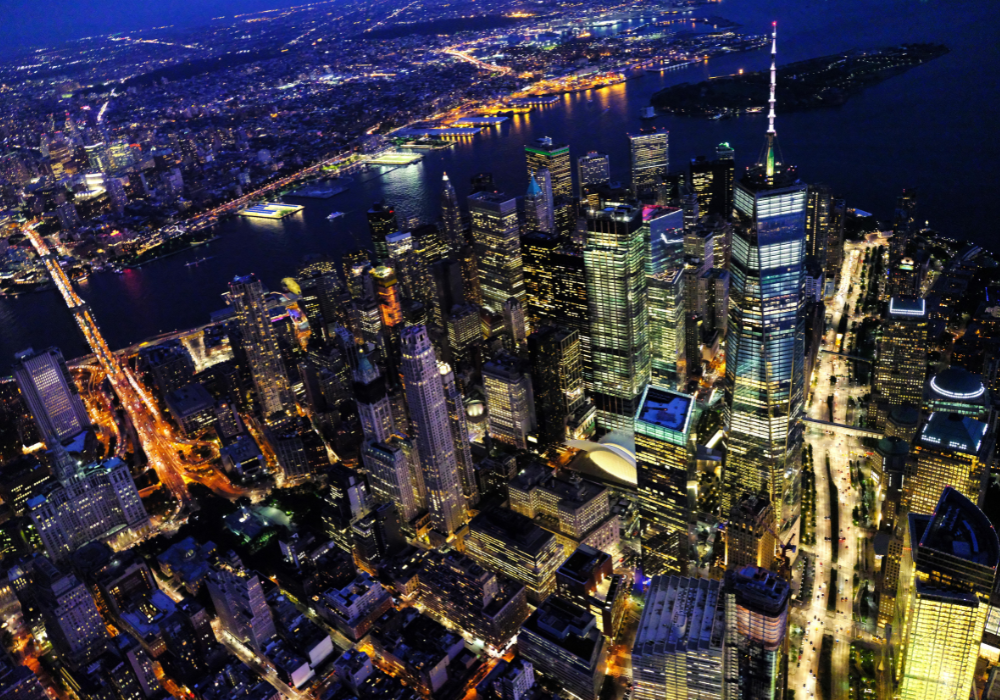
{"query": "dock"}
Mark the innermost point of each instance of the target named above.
(395, 158)
(479, 121)
(438, 131)
(271, 210)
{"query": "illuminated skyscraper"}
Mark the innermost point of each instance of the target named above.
(664, 464)
(650, 159)
(678, 650)
(949, 565)
(951, 450)
(765, 345)
(538, 206)
(394, 475)
(460, 432)
(667, 327)
(557, 380)
(513, 323)
(389, 296)
(435, 440)
(615, 265)
(263, 355)
(50, 394)
(750, 538)
(498, 248)
(556, 288)
(555, 158)
(593, 169)
(902, 359)
(756, 663)
(372, 399)
(451, 217)
(545, 156)
(381, 223)
(509, 400)
(72, 621)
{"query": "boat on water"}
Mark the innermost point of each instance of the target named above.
(648, 113)
(334, 215)
(198, 261)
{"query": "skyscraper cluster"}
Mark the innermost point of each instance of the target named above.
(570, 429)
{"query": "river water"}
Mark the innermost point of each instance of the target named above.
(931, 128)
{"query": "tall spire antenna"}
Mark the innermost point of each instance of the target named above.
(771, 133)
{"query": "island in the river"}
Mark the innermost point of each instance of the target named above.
(818, 82)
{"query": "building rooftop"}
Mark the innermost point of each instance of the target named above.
(680, 614)
(513, 528)
(760, 589)
(959, 528)
(956, 384)
(903, 308)
(582, 563)
(567, 625)
(954, 432)
(666, 409)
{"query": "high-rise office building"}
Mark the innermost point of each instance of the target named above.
(555, 158)
(556, 288)
(72, 621)
(765, 345)
(650, 159)
(664, 465)
(561, 640)
(725, 158)
(667, 327)
(593, 169)
(460, 432)
(835, 240)
(538, 209)
(951, 450)
(240, 604)
(515, 330)
(756, 664)
(949, 567)
(267, 368)
(451, 217)
(712, 183)
(819, 219)
(372, 399)
(750, 534)
(464, 332)
(498, 248)
(389, 295)
(381, 222)
(615, 265)
(470, 274)
(435, 440)
(557, 380)
(678, 650)
(50, 393)
(394, 475)
(510, 400)
(901, 368)
(357, 264)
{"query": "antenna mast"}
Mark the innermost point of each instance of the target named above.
(771, 133)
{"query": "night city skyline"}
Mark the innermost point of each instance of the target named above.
(545, 352)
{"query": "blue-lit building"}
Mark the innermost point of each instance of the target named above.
(765, 345)
(664, 466)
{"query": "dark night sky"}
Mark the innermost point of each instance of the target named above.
(34, 23)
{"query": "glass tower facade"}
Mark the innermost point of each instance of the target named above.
(765, 345)
(663, 466)
(496, 235)
(614, 260)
